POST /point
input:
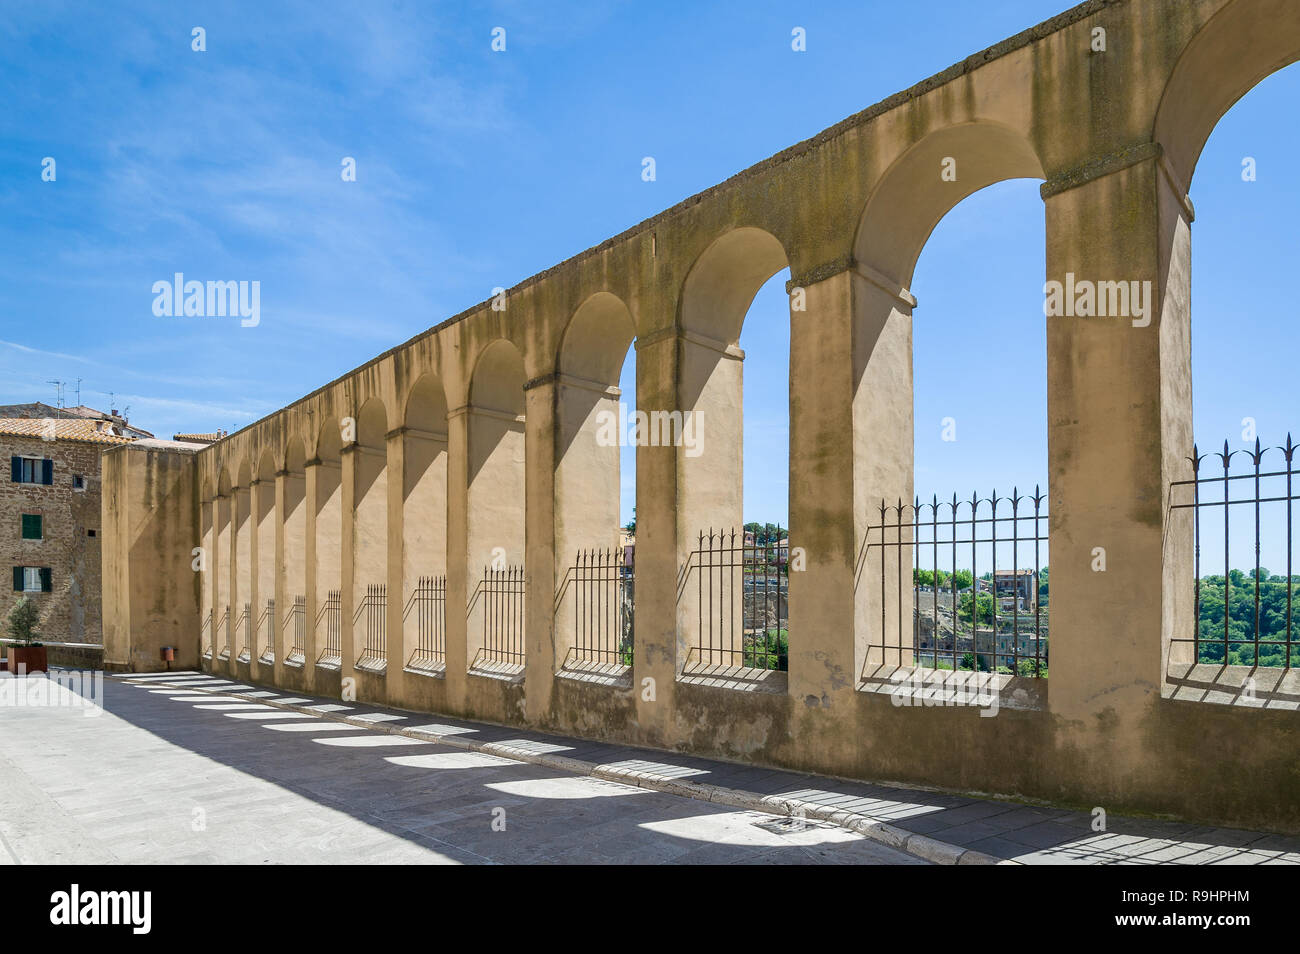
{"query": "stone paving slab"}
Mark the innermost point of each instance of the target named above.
(936, 826)
(154, 779)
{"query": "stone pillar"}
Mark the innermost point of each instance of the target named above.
(1119, 425)
(208, 592)
(347, 576)
(709, 495)
(496, 512)
(241, 584)
(585, 462)
(658, 653)
(394, 673)
(283, 598)
(882, 439)
(458, 560)
(840, 372)
(544, 567)
(422, 499)
(295, 534)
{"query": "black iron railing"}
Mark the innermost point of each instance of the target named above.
(973, 572)
(1243, 617)
(295, 623)
(502, 592)
(601, 584)
(329, 623)
(225, 633)
(742, 594)
(372, 617)
(266, 632)
(428, 603)
(244, 626)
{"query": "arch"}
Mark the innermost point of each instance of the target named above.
(424, 524)
(242, 586)
(596, 339)
(495, 513)
(497, 382)
(590, 435)
(323, 609)
(912, 197)
(1240, 46)
(723, 281)
(220, 564)
(265, 526)
(709, 436)
(293, 562)
(369, 461)
(207, 541)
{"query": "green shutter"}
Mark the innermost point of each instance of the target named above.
(16, 469)
(47, 583)
(47, 471)
(32, 529)
(18, 579)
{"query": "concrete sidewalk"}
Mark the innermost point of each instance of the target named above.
(908, 824)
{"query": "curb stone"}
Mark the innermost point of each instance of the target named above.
(919, 846)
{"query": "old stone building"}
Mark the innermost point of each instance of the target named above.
(50, 520)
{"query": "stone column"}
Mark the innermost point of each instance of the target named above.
(283, 598)
(458, 560)
(544, 567)
(394, 673)
(1119, 425)
(496, 512)
(709, 497)
(882, 439)
(658, 653)
(850, 440)
(350, 459)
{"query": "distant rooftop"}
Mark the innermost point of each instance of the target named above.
(81, 429)
(209, 438)
(38, 410)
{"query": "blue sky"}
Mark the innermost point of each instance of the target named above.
(477, 169)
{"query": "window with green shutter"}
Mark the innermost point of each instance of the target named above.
(32, 528)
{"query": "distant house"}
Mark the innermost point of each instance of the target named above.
(49, 519)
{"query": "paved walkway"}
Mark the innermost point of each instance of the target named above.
(172, 774)
(186, 767)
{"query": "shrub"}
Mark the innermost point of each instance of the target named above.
(22, 622)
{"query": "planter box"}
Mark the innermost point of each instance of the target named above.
(31, 658)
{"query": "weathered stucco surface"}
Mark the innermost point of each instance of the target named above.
(489, 413)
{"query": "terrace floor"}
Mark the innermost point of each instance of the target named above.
(190, 768)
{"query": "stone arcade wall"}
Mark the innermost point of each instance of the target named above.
(477, 437)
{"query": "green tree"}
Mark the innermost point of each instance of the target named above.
(22, 621)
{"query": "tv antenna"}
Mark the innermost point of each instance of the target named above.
(58, 390)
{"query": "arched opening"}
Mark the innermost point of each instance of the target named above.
(369, 460)
(1231, 515)
(328, 469)
(293, 616)
(207, 543)
(730, 613)
(949, 425)
(594, 609)
(265, 519)
(424, 523)
(242, 595)
(495, 519)
(220, 564)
